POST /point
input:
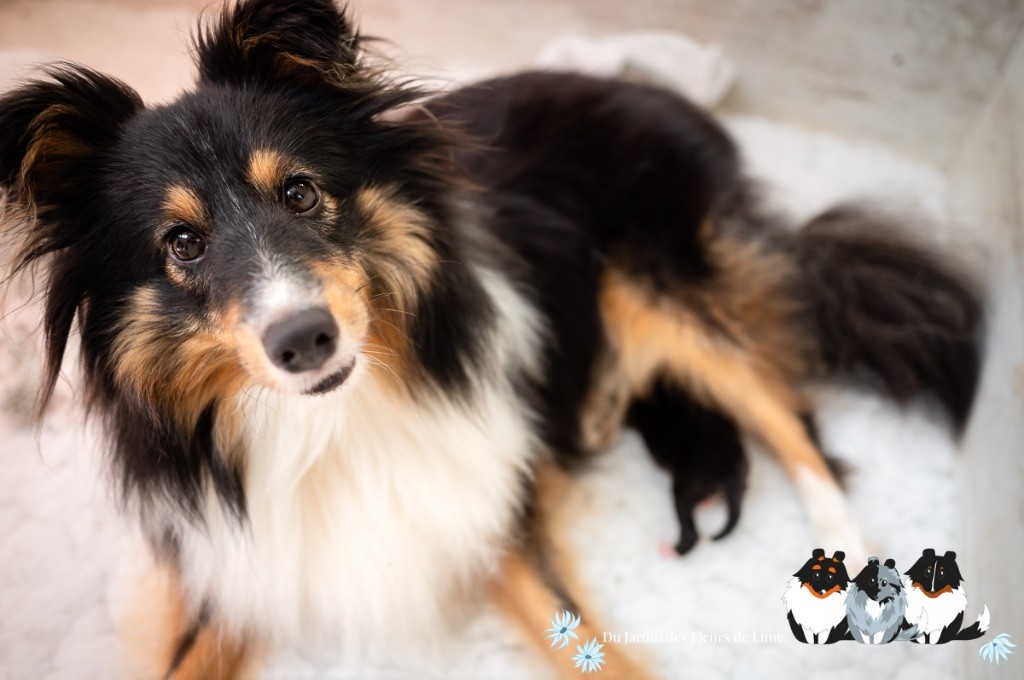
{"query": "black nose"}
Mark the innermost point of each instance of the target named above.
(303, 341)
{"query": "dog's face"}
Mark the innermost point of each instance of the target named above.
(880, 582)
(269, 228)
(824, 575)
(935, 573)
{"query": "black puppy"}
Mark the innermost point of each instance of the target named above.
(702, 450)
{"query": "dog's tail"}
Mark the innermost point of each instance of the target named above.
(976, 629)
(885, 307)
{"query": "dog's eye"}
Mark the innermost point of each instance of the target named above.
(300, 195)
(184, 245)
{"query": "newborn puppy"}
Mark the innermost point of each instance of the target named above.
(699, 447)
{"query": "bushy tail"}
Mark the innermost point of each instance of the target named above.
(887, 307)
(976, 629)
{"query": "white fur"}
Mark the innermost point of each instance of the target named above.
(280, 293)
(815, 614)
(370, 515)
(830, 514)
(938, 612)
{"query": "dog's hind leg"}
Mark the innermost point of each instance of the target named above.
(536, 581)
(659, 337)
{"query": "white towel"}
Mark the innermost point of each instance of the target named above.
(674, 61)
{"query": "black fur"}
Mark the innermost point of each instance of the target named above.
(934, 573)
(96, 206)
(571, 175)
(701, 449)
(822, 581)
(87, 111)
(892, 309)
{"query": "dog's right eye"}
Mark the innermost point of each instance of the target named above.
(184, 245)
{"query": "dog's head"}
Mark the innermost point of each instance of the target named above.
(824, 575)
(880, 582)
(935, 574)
(272, 226)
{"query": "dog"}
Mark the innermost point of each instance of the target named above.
(346, 339)
(936, 597)
(816, 599)
(876, 606)
(699, 447)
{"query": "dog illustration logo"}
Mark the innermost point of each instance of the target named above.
(816, 599)
(876, 605)
(926, 605)
(936, 600)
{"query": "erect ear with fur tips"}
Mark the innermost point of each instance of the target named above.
(291, 41)
(54, 134)
(891, 563)
(872, 561)
(839, 556)
(929, 552)
(950, 555)
(818, 553)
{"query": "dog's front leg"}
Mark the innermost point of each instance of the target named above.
(535, 583)
(170, 640)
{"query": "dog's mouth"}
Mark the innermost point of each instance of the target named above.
(886, 600)
(333, 381)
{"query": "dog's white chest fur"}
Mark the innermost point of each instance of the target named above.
(369, 516)
(933, 614)
(815, 614)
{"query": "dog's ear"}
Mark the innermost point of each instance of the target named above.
(838, 556)
(818, 554)
(289, 41)
(929, 552)
(872, 561)
(950, 555)
(54, 136)
(891, 563)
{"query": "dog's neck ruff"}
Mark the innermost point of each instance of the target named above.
(369, 514)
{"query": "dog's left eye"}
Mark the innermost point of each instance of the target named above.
(300, 195)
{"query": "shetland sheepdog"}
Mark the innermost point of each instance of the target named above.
(345, 338)
(816, 599)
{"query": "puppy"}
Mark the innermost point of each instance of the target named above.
(344, 338)
(700, 448)
(936, 598)
(816, 599)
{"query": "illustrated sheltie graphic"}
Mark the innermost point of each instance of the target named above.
(816, 599)
(936, 600)
(876, 605)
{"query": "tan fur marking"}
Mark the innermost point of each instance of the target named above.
(267, 171)
(528, 603)
(655, 335)
(154, 626)
(399, 264)
(181, 204)
(398, 253)
(184, 371)
(604, 411)
(347, 293)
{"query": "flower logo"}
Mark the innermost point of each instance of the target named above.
(590, 657)
(562, 628)
(999, 648)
